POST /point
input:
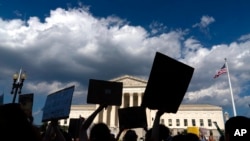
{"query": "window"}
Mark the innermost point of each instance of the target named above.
(169, 122)
(185, 122)
(162, 121)
(209, 122)
(193, 122)
(177, 122)
(201, 122)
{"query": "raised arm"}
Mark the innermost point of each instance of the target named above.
(119, 134)
(156, 126)
(85, 125)
(53, 130)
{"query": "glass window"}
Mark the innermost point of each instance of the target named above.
(193, 122)
(177, 122)
(209, 122)
(201, 122)
(162, 121)
(185, 122)
(169, 122)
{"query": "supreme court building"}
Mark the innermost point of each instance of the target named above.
(200, 115)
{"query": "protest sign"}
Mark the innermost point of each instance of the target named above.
(104, 92)
(58, 104)
(167, 84)
(26, 103)
(132, 117)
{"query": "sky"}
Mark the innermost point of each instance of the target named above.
(60, 43)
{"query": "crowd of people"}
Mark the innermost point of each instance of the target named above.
(15, 125)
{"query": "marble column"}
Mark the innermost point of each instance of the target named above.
(104, 117)
(122, 105)
(131, 100)
(139, 99)
(112, 116)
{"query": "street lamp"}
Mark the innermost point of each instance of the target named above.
(17, 85)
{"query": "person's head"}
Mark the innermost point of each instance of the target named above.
(100, 132)
(178, 137)
(186, 137)
(191, 137)
(130, 135)
(14, 122)
(164, 133)
(237, 129)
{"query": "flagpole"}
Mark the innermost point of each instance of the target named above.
(231, 91)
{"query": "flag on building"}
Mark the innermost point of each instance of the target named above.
(221, 71)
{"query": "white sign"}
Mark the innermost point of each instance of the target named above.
(57, 105)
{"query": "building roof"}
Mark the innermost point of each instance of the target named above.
(199, 107)
(183, 107)
(130, 81)
(83, 107)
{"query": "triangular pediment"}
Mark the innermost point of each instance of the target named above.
(130, 81)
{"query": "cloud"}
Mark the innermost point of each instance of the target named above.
(244, 37)
(72, 46)
(204, 23)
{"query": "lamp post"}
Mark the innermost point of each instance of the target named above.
(17, 85)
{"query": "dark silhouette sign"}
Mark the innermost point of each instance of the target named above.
(26, 103)
(167, 84)
(104, 92)
(74, 126)
(132, 117)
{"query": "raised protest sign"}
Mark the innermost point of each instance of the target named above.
(58, 104)
(167, 84)
(26, 102)
(104, 92)
(132, 117)
(74, 126)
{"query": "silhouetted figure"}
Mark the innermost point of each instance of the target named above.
(14, 125)
(159, 131)
(54, 133)
(222, 138)
(96, 129)
(211, 137)
(100, 132)
(234, 128)
(130, 135)
(186, 137)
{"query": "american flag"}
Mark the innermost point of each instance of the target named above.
(221, 71)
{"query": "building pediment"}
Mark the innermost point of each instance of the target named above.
(131, 81)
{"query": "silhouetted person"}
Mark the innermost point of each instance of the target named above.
(54, 133)
(100, 132)
(234, 127)
(96, 129)
(130, 135)
(159, 131)
(186, 137)
(14, 125)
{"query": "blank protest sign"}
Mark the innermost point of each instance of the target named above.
(57, 105)
(104, 92)
(132, 117)
(167, 84)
